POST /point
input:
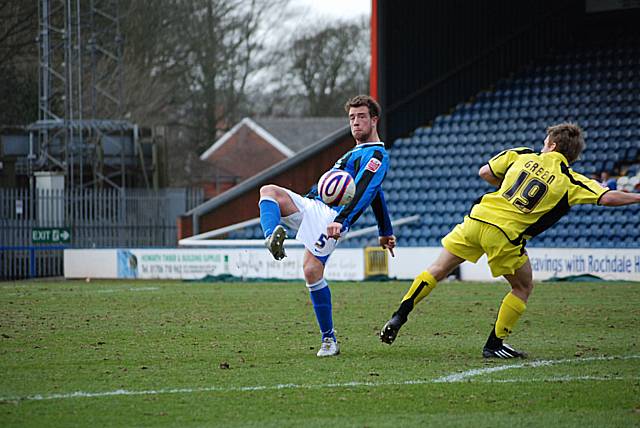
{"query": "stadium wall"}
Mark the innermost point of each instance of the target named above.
(346, 264)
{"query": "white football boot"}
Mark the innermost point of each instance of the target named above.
(329, 348)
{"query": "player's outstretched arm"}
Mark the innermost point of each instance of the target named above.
(615, 198)
(487, 175)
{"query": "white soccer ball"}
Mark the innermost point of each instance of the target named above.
(336, 187)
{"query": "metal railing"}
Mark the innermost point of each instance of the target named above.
(93, 218)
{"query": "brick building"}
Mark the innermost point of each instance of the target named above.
(254, 145)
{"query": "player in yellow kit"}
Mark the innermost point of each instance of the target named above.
(534, 191)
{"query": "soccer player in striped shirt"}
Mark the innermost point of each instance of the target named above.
(534, 190)
(319, 226)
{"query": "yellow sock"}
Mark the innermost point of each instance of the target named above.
(421, 287)
(510, 311)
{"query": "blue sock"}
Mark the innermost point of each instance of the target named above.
(321, 299)
(269, 215)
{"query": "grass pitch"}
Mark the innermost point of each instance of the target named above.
(156, 353)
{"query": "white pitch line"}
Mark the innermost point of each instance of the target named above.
(459, 377)
(106, 290)
(454, 378)
(115, 290)
(557, 379)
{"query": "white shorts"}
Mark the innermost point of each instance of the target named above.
(311, 221)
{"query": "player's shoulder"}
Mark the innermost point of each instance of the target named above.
(522, 150)
(376, 150)
(512, 153)
(575, 175)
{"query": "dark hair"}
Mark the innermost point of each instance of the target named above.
(364, 100)
(568, 138)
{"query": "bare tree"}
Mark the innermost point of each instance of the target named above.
(325, 66)
(156, 63)
(18, 29)
(188, 64)
(204, 52)
(226, 43)
(18, 62)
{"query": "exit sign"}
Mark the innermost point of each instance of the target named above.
(50, 235)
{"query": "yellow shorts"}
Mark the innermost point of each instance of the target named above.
(472, 238)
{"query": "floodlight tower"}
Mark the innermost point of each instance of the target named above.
(53, 37)
(80, 103)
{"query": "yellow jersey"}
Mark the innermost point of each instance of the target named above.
(537, 189)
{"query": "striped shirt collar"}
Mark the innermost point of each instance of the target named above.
(371, 144)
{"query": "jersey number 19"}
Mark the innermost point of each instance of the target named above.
(526, 193)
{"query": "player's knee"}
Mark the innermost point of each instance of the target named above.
(312, 273)
(523, 288)
(274, 192)
(268, 190)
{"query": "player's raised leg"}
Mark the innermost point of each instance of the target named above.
(320, 295)
(513, 306)
(422, 285)
(275, 203)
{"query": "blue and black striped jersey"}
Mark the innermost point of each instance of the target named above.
(368, 164)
